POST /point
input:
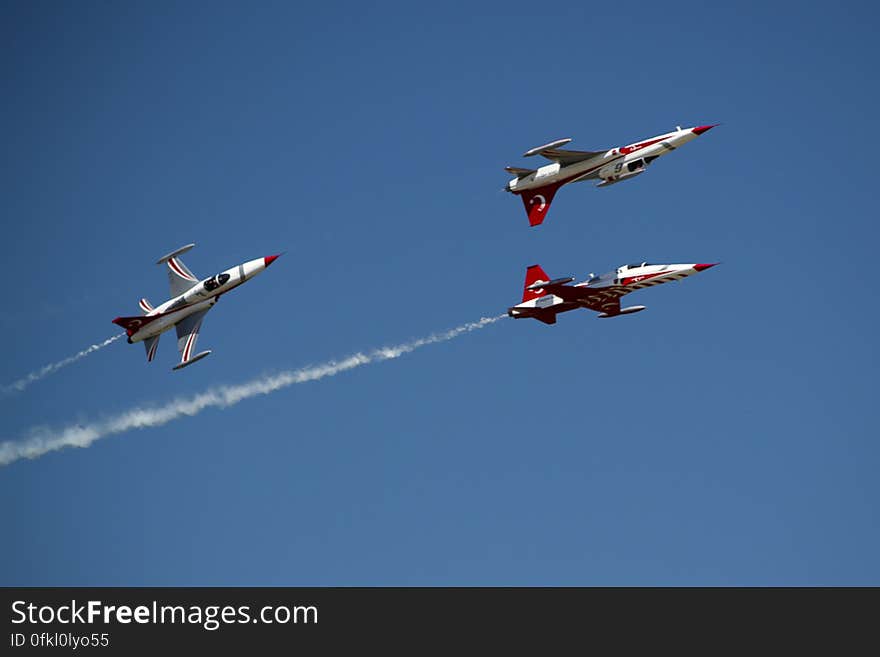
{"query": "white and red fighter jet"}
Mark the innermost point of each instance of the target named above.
(544, 298)
(538, 186)
(190, 301)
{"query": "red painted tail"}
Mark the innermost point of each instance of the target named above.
(133, 324)
(533, 275)
(537, 202)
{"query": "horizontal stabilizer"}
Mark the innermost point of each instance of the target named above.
(546, 316)
(145, 305)
(519, 172)
(192, 360)
(537, 285)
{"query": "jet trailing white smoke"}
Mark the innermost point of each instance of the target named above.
(42, 440)
(51, 368)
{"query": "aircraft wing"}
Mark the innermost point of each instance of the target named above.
(565, 157)
(179, 277)
(602, 299)
(151, 345)
(187, 335)
(552, 152)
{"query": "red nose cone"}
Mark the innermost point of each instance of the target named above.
(703, 128)
(268, 260)
(705, 266)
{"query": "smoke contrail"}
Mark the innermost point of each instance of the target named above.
(46, 370)
(42, 440)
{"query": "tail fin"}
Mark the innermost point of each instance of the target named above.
(537, 202)
(133, 324)
(145, 305)
(533, 275)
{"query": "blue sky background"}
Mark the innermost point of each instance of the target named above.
(726, 436)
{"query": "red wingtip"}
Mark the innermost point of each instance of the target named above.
(701, 267)
(268, 260)
(703, 128)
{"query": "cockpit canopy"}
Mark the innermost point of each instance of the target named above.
(634, 266)
(216, 281)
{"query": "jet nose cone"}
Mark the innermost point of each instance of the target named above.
(701, 267)
(703, 128)
(268, 260)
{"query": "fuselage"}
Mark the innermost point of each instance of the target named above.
(201, 296)
(610, 166)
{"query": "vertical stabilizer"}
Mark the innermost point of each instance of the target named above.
(533, 275)
(537, 202)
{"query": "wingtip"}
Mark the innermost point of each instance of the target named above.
(192, 360)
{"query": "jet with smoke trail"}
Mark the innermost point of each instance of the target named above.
(190, 301)
(51, 368)
(42, 440)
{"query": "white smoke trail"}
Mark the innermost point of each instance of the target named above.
(42, 440)
(46, 370)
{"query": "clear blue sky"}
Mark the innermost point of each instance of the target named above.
(727, 435)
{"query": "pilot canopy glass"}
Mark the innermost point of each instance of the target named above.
(216, 281)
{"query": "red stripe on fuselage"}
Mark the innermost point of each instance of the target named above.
(626, 150)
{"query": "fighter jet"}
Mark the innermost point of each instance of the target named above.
(190, 301)
(544, 298)
(538, 186)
